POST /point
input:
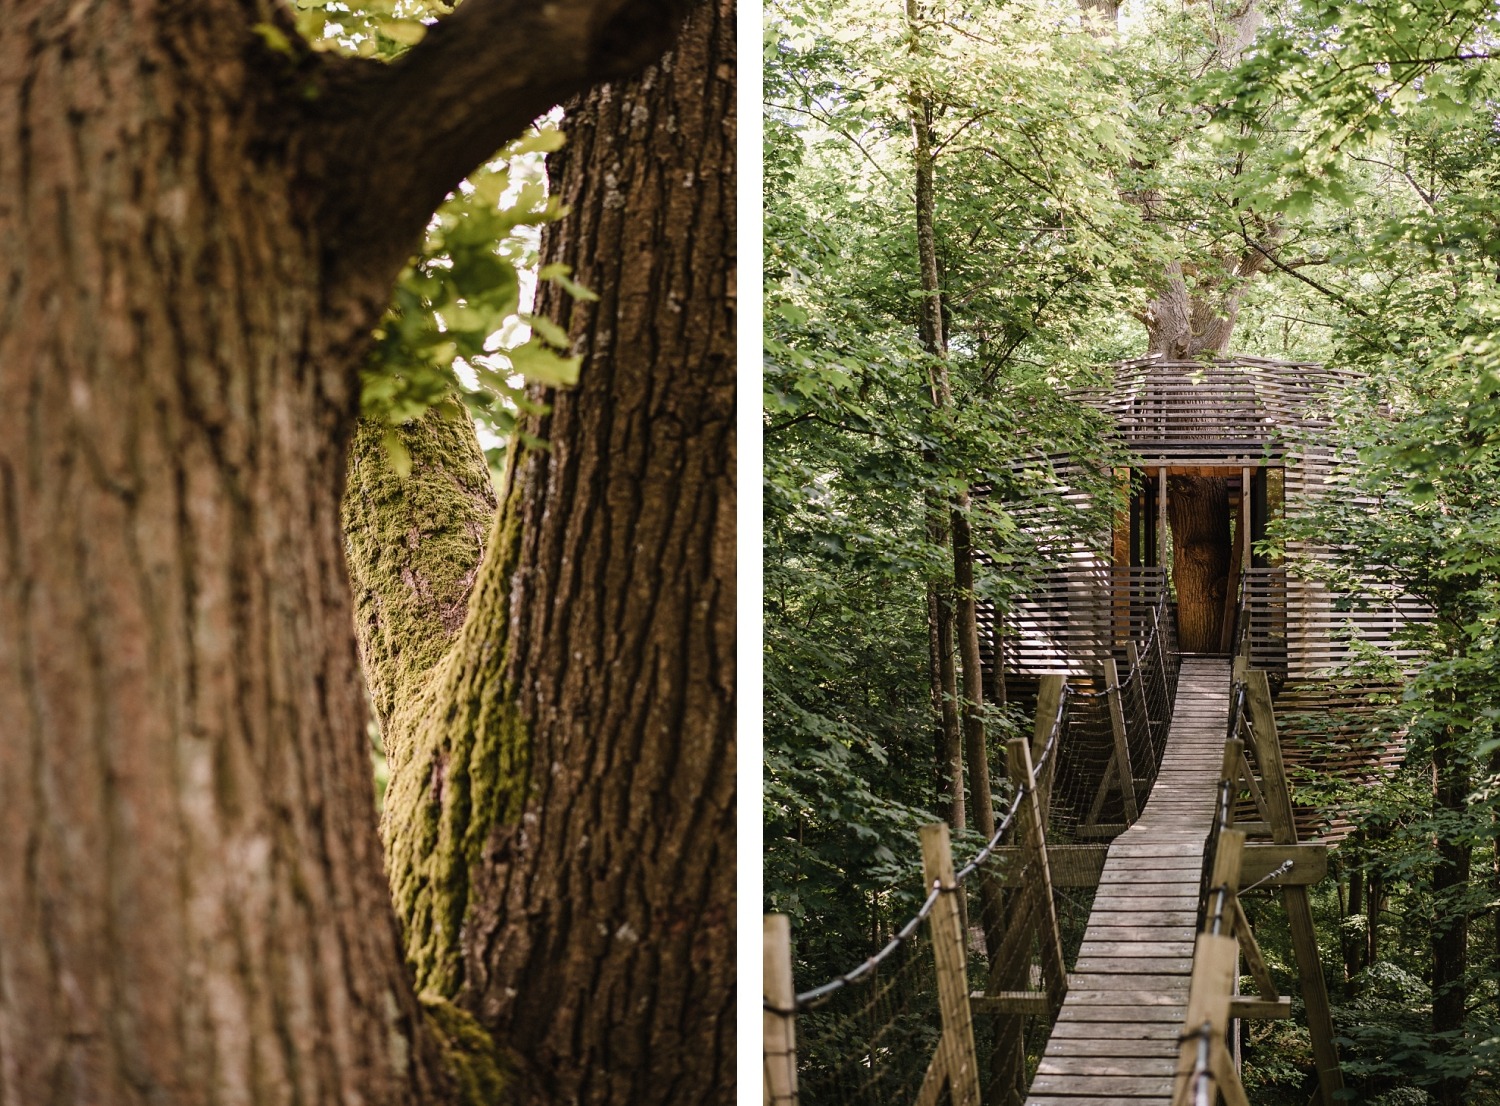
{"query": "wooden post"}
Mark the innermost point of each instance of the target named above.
(1123, 770)
(1133, 664)
(1298, 906)
(779, 1023)
(1048, 695)
(1247, 516)
(1162, 534)
(1034, 841)
(950, 952)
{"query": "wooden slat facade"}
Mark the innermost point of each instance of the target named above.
(1246, 418)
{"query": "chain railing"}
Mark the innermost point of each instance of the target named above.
(900, 1026)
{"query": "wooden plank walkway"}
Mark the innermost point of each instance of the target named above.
(1115, 1041)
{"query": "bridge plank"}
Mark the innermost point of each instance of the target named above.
(1159, 1066)
(1115, 1040)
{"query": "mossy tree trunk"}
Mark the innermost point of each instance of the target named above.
(559, 821)
(199, 232)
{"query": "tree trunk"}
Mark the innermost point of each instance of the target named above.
(931, 331)
(1198, 510)
(414, 543)
(943, 680)
(191, 903)
(967, 625)
(562, 800)
(1450, 923)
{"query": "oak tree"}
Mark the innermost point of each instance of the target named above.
(203, 219)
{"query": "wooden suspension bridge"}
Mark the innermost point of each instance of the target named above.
(1143, 1017)
(1155, 782)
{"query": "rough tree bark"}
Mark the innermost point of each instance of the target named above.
(559, 816)
(198, 234)
(1198, 510)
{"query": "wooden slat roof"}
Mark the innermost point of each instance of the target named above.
(1232, 409)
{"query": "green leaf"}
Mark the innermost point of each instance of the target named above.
(539, 364)
(547, 329)
(397, 453)
(560, 274)
(275, 39)
(408, 32)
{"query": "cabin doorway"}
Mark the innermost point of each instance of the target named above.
(1201, 521)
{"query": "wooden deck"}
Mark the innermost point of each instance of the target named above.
(1115, 1041)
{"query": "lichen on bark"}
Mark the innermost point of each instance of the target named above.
(433, 629)
(414, 544)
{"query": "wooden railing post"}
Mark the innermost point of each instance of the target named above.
(1048, 696)
(1133, 664)
(958, 1057)
(779, 1021)
(1124, 771)
(1298, 907)
(1034, 845)
(1215, 968)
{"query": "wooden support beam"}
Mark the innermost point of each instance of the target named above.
(1069, 865)
(1011, 1002)
(1133, 664)
(1309, 863)
(1163, 536)
(1253, 958)
(1096, 808)
(1034, 837)
(778, 1023)
(1048, 694)
(1253, 786)
(1260, 1009)
(959, 1059)
(934, 1079)
(1124, 774)
(1278, 795)
(1298, 906)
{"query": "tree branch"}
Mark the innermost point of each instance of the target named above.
(389, 142)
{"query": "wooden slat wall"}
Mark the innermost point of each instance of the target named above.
(1075, 617)
(1241, 410)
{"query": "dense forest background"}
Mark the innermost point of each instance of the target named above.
(974, 208)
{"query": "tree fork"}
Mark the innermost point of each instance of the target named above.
(574, 886)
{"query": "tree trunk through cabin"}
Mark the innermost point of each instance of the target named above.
(1198, 510)
(1183, 325)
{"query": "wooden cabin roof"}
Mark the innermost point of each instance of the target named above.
(1233, 410)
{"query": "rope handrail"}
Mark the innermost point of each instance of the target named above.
(808, 1000)
(815, 997)
(1144, 650)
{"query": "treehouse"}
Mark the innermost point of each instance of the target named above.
(1219, 451)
